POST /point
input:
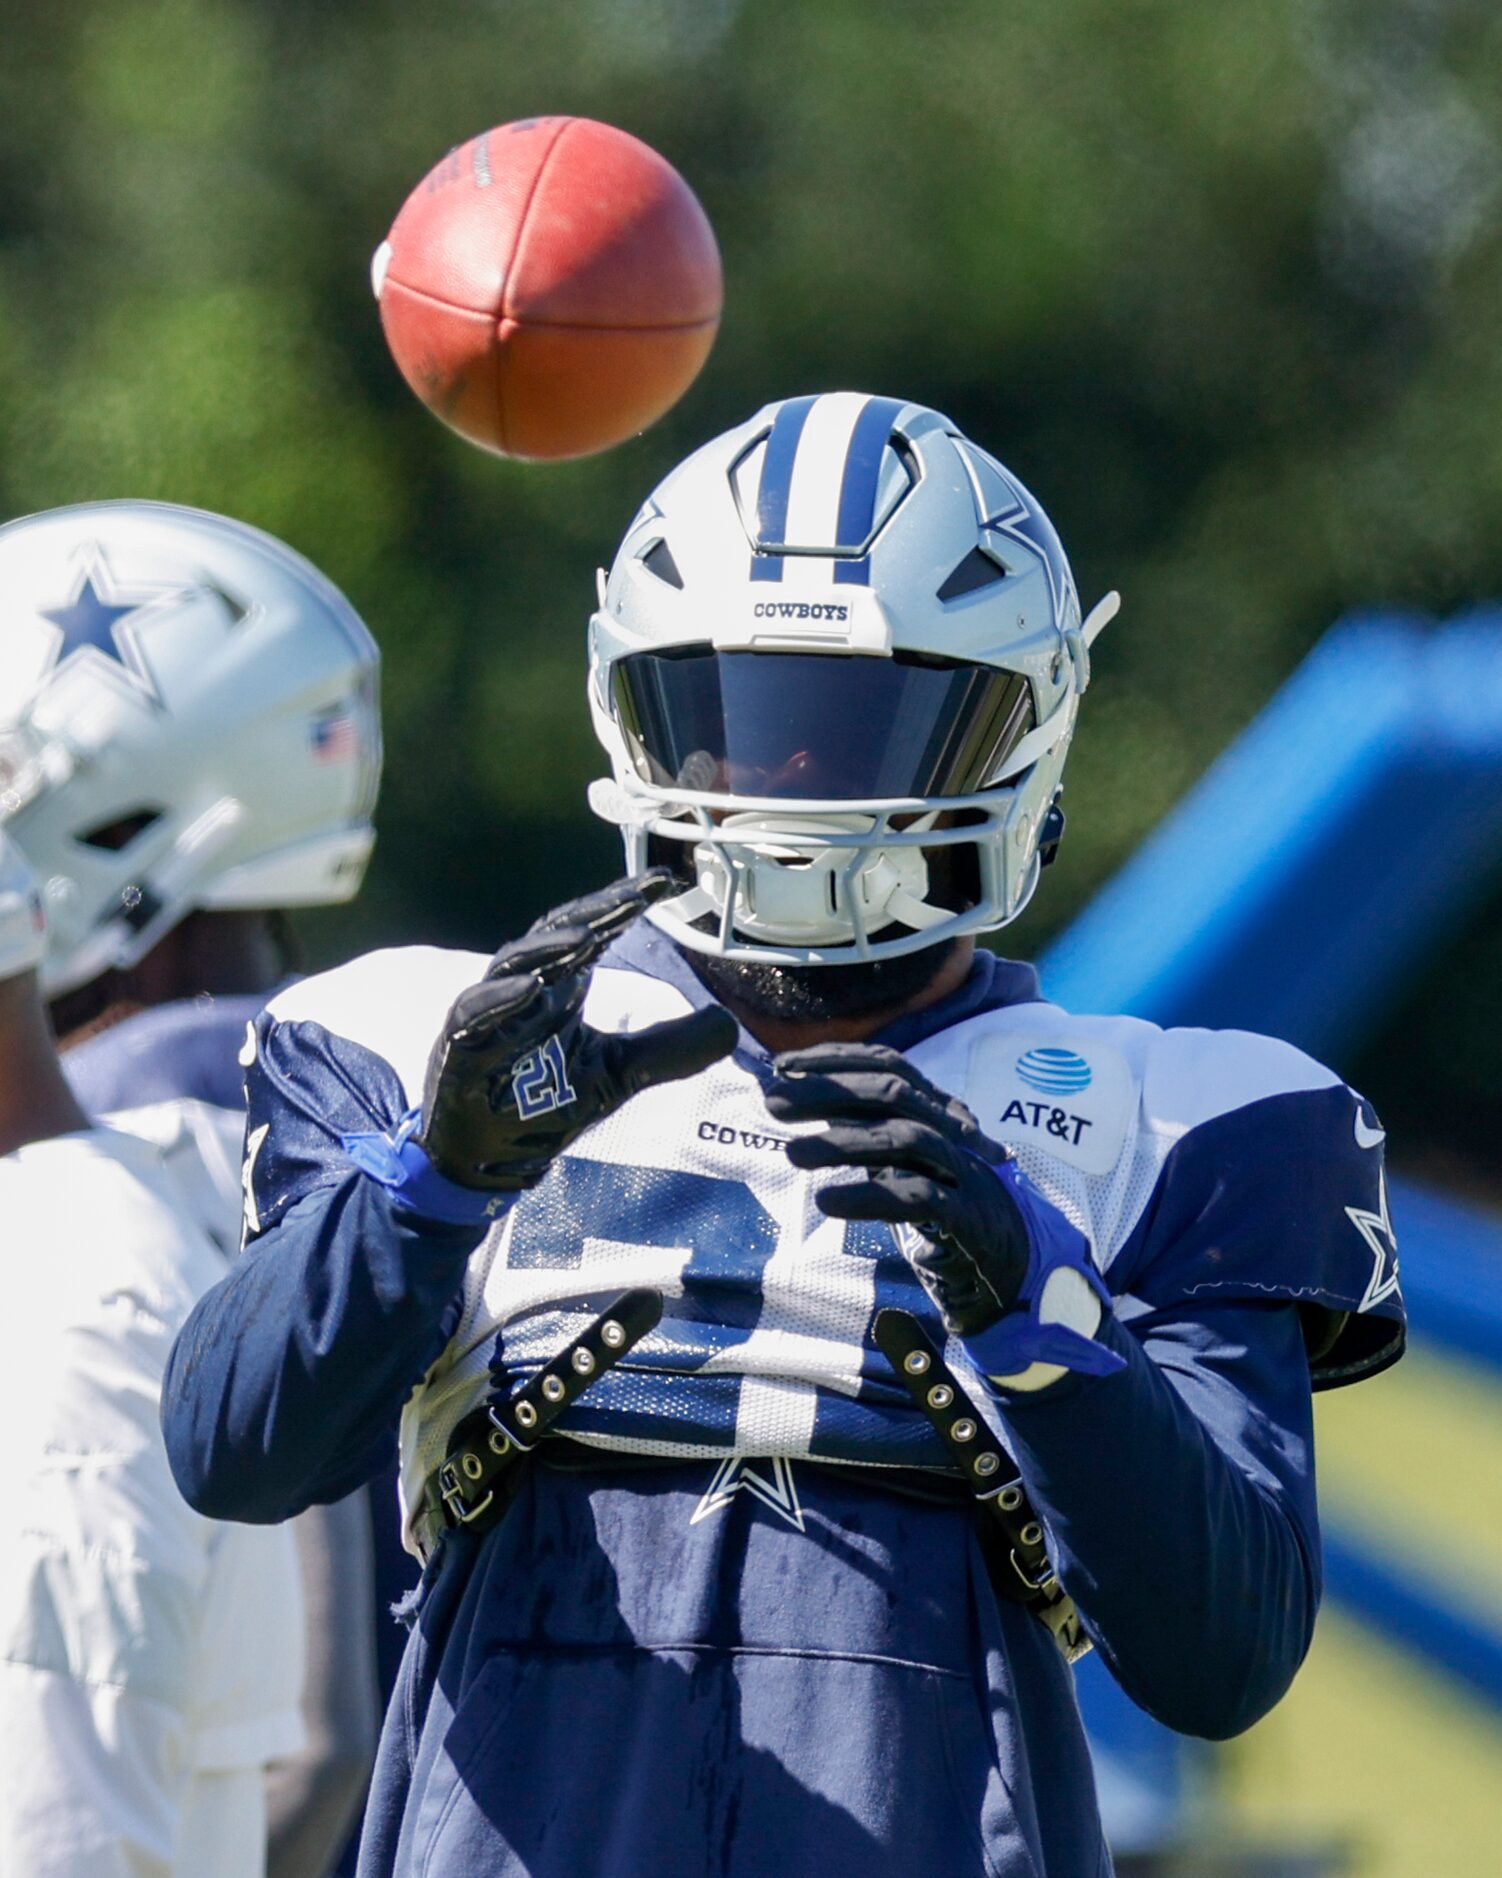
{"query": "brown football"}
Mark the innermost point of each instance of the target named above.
(550, 288)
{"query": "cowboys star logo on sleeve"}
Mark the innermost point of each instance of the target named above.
(1376, 1229)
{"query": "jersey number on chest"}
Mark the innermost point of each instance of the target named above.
(723, 1232)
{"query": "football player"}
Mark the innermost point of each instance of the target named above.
(135, 1725)
(191, 746)
(804, 1338)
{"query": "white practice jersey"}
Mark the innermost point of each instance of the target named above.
(200, 1145)
(148, 1670)
(1198, 1165)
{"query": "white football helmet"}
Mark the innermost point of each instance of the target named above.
(188, 719)
(23, 930)
(838, 661)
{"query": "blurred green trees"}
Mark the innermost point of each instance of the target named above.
(1222, 284)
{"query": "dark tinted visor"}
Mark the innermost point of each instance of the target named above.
(810, 724)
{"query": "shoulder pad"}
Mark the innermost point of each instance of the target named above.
(1085, 1089)
(1279, 1198)
(1191, 1076)
(392, 1003)
(623, 1000)
(1248, 1169)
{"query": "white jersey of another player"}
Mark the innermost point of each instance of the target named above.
(147, 1670)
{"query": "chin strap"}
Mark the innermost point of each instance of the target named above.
(1079, 639)
(1100, 616)
(901, 904)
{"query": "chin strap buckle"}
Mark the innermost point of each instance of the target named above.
(1027, 1575)
(1051, 833)
(470, 1490)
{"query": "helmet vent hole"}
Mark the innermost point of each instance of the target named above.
(658, 560)
(977, 570)
(115, 835)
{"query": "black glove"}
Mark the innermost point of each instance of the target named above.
(516, 1074)
(930, 1167)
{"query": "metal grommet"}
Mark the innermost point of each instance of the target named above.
(987, 1464)
(583, 1361)
(500, 1441)
(964, 1429)
(915, 1362)
(1031, 1534)
(472, 1466)
(940, 1396)
(1010, 1498)
(552, 1388)
(611, 1334)
(526, 1414)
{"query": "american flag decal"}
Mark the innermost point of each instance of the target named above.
(333, 735)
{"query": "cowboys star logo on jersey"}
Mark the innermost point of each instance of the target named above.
(769, 1481)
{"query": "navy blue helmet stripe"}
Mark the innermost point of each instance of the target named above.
(868, 443)
(777, 471)
(766, 567)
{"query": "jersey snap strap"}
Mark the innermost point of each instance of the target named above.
(993, 1476)
(467, 1489)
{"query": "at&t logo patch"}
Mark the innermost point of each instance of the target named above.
(1038, 1092)
(1054, 1072)
(1059, 1123)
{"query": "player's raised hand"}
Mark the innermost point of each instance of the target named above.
(928, 1166)
(516, 1074)
(1007, 1270)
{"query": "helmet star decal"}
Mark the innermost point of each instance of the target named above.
(100, 622)
(1030, 528)
(90, 622)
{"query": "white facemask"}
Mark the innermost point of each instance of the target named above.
(793, 878)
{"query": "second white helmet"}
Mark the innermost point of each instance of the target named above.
(188, 719)
(836, 666)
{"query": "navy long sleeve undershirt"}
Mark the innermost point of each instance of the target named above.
(1179, 1493)
(286, 1384)
(1179, 1499)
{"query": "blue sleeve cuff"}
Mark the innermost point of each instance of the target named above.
(397, 1162)
(1029, 1333)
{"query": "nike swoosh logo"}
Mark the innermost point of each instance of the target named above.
(1368, 1137)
